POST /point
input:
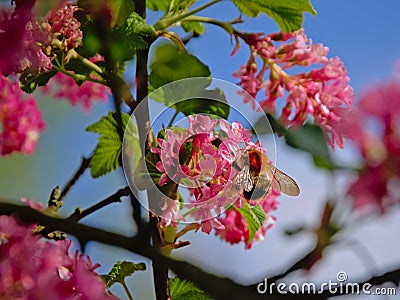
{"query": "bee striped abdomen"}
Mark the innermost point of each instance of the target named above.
(261, 187)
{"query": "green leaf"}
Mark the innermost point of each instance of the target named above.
(137, 31)
(288, 14)
(107, 155)
(185, 290)
(213, 102)
(162, 5)
(276, 126)
(295, 230)
(30, 81)
(126, 38)
(186, 154)
(255, 217)
(91, 43)
(136, 25)
(130, 37)
(120, 10)
(170, 64)
(177, 7)
(78, 67)
(192, 26)
(121, 270)
(309, 138)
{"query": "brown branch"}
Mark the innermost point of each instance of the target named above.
(304, 262)
(216, 287)
(324, 233)
(85, 163)
(160, 270)
(219, 288)
(104, 32)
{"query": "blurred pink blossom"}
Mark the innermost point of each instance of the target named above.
(29, 42)
(21, 119)
(64, 87)
(319, 93)
(377, 185)
(12, 39)
(32, 204)
(34, 268)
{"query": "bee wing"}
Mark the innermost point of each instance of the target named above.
(285, 183)
(243, 180)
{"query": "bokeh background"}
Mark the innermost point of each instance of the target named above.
(364, 34)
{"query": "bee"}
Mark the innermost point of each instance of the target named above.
(256, 175)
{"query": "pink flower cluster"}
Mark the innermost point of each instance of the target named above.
(63, 26)
(32, 268)
(21, 120)
(321, 93)
(379, 180)
(30, 43)
(200, 158)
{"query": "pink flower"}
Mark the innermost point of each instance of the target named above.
(21, 119)
(170, 212)
(169, 151)
(369, 189)
(208, 221)
(200, 124)
(249, 81)
(321, 93)
(235, 228)
(200, 158)
(85, 94)
(65, 27)
(33, 268)
(377, 183)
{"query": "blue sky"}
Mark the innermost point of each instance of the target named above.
(364, 34)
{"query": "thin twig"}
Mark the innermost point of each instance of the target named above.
(136, 211)
(324, 234)
(173, 118)
(85, 163)
(126, 289)
(78, 214)
(189, 37)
